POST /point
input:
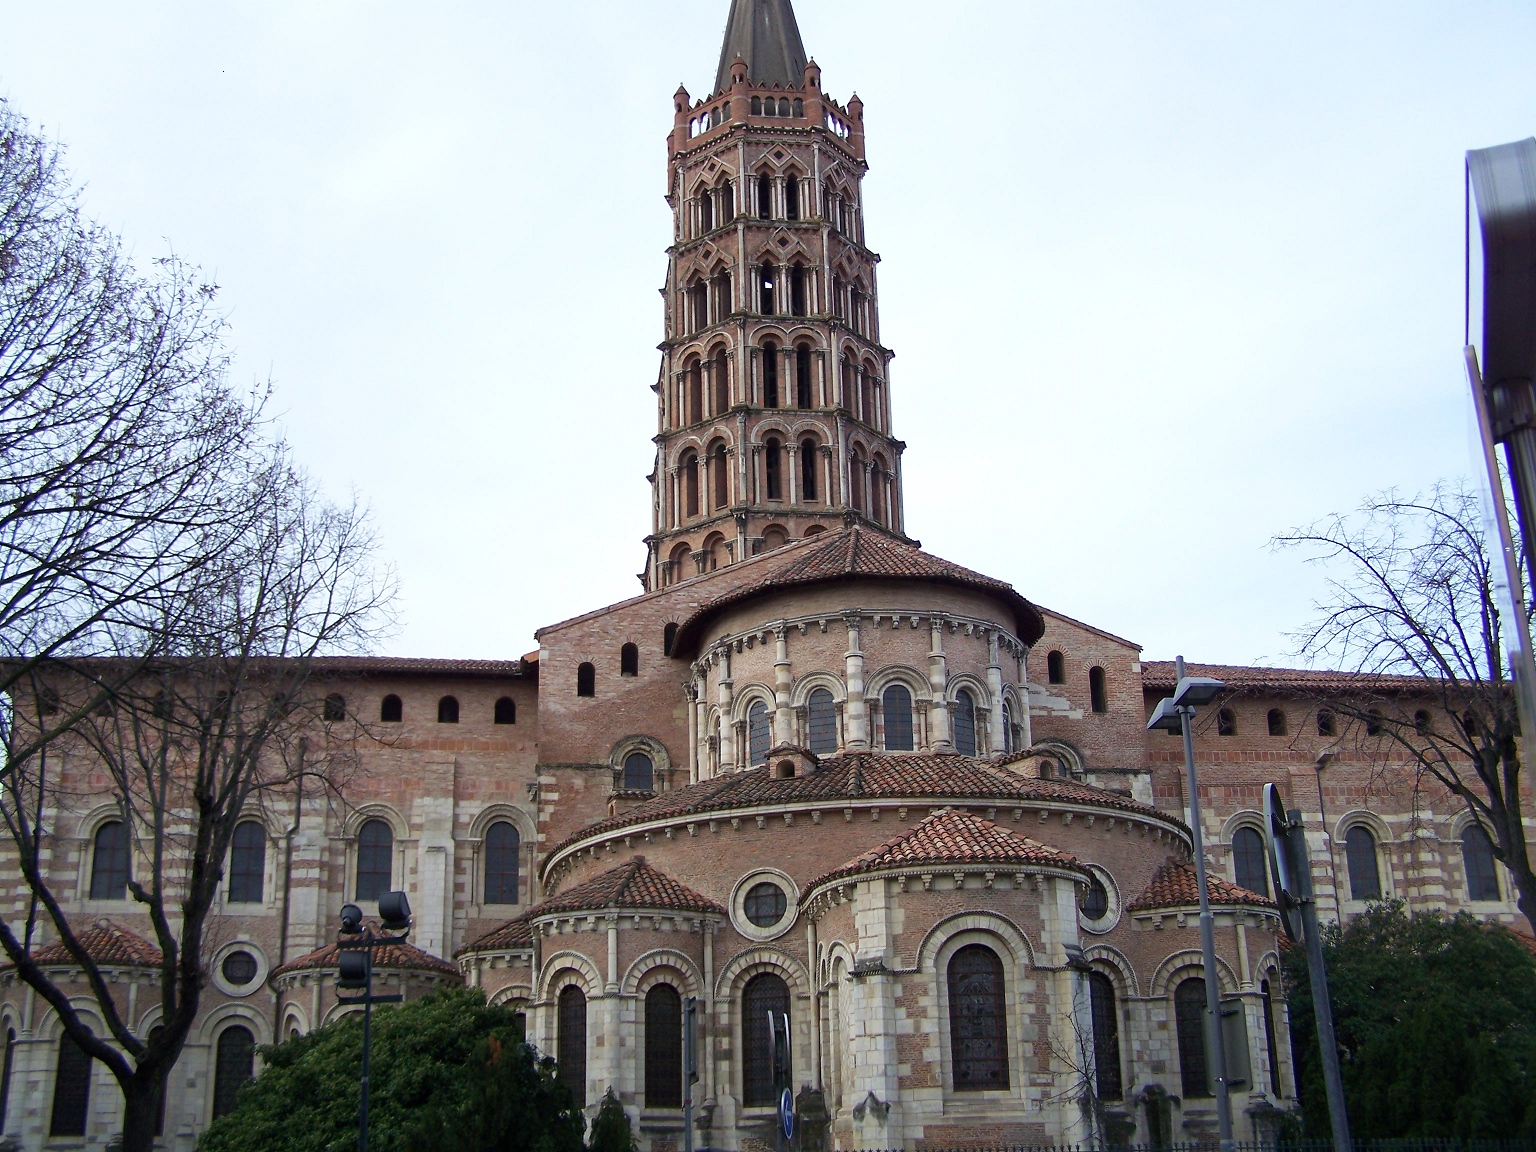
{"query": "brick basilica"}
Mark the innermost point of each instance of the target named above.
(812, 772)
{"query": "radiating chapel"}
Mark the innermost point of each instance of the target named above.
(813, 773)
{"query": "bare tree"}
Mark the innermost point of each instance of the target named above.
(167, 579)
(212, 727)
(119, 433)
(1412, 611)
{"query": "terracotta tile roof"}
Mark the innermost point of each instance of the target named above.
(634, 884)
(398, 956)
(411, 666)
(1176, 886)
(860, 553)
(950, 838)
(106, 944)
(1158, 676)
(867, 775)
(506, 937)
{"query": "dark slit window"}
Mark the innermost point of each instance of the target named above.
(1056, 668)
(663, 1047)
(571, 1044)
(1097, 692)
(792, 197)
(764, 994)
(773, 468)
(1250, 861)
(965, 724)
(71, 1090)
(506, 711)
(335, 707)
(770, 376)
(803, 397)
(896, 703)
(629, 660)
(1276, 722)
(764, 196)
(448, 710)
(375, 859)
(797, 295)
(807, 470)
(502, 848)
(978, 1029)
(1106, 1037)
(390, 710)
(247, 863)
(234, 1064)
(821, 719)
(109, 862)
(1226, 722)
(668, 638)
(586, 680)
(1189, 1017)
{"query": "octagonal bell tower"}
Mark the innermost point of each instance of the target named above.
(774, 409)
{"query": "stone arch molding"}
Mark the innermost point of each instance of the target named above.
(992, 924)
(636, 980)
(743, 965)
(1246, 818)
(588, 978)
(512, 992)
(52, 1026)
(226, 1014)
(1360, 817)
(747, 697)
(493, 813)
(398, 826)
(1189, 960)
(910, 678)
(800, 695)
(652, 747)
(1115, 960)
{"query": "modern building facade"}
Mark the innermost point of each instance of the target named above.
(812, 773)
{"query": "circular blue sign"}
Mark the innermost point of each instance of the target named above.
(787, 1114)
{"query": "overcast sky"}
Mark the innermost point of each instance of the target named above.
(1163, 280)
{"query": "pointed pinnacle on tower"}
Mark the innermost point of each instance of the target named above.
(765, 35)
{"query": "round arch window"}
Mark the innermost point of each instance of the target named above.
(765, 904)
(1094, 901)
(240, 968)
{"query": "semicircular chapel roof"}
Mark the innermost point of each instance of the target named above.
(945, 778)
(860, 553)
(107, 945)
(951, 839)
(633, 884)
(396, 955)
(508, 937)
(1177, 885)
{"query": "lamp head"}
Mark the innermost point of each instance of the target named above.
(352, 968)
(1323, 760)
(1165, 717)
(1197, 691)
(394, 912)
(351, 918)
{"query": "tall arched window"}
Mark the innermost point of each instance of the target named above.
(629, 660)
(867, 395)
(1250, 862)
(706, 212)
(506, 711)
(773, 468)
(791, 195)
(770, 375)
(1189, 1020)
(856, 475)
(1098, 692)
(965, 723)
(109, 862)
(234, 1064)
(766, 289)
(503, 858)
(804, 393)
(335, 707)
(880, 489)
(764, 995)
(1276, 720)
(764, 195)
(586, 679)
(448, 710)
(807, 470)
(1008, 740)
(1478, 860)
(390, 709)
(721, 382)
(978, 1020)
(797, 294)
(1360, 854)
(694, 409)
(759, 733)
(727, 202)
(1056, 668)
(719, 476)
(375, 859)
(690, 470)
(1106, 1037)
(896, 704)
(247, 863)
(821, 721)
(571, 1043)
(639, 773)
(663, 1047)
(71, 1090)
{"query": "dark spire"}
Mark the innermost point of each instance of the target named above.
(765, 35)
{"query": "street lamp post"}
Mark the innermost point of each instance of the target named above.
(1175, 714)
(355, 963)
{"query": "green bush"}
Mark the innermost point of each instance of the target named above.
(448, 1073)
(1436, 1024)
